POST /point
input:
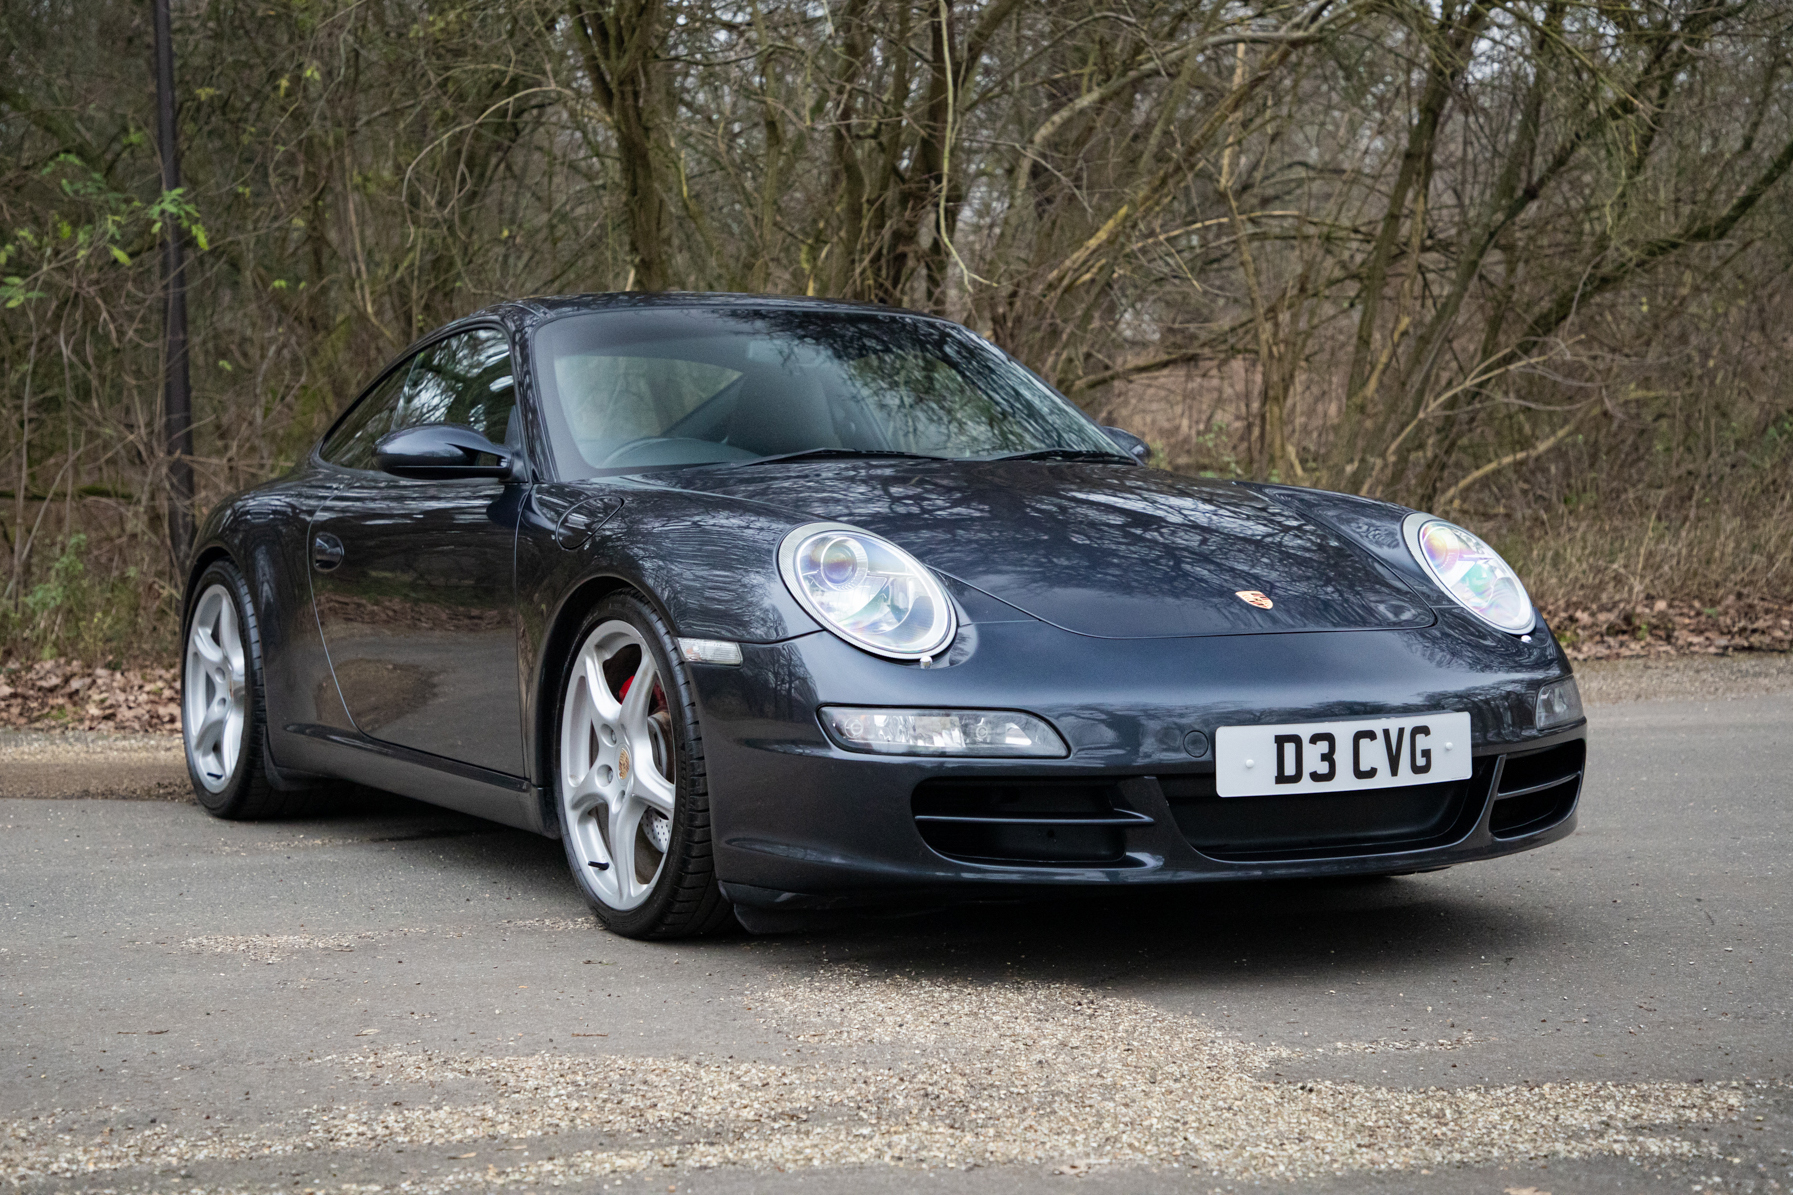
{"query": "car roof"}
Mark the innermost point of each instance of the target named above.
(539, 309)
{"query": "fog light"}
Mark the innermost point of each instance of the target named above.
(942, 732)
(1558, 702)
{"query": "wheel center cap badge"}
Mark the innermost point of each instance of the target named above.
(622, 764)
(1254, 597)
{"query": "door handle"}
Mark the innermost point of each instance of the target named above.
(326, 551)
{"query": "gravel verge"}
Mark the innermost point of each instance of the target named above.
(70, 764)
(1685, 678)
(927, 1074)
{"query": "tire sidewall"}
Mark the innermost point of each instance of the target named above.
(226, 800)
(647, 918)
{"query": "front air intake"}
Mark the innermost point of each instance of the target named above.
(1537, 790)
(1027, 822)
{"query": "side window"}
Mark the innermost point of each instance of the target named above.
(465, 379)
(351, 445)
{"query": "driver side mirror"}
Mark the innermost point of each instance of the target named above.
(442, 451)
(1130, 444)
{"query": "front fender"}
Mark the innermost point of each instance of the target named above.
(1375, 527)
(708, 565)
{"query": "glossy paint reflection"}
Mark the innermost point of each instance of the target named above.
(1106, 550)
(420, 617)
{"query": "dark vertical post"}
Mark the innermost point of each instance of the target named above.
(177, 392)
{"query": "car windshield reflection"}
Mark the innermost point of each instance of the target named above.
(703, 386)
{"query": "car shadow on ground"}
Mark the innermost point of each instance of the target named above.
(1261, 931)
(1258, 932)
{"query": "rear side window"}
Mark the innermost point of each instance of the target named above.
(351, 445)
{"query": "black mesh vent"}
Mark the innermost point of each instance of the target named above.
(1537, 790)
(1029, 823)
(1542, 767)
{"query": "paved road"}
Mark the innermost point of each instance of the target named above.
(414, 1000)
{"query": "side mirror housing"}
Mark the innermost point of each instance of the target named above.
(442, 451)
(1130, 444)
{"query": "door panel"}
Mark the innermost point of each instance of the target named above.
(420, 615)
(414, 580)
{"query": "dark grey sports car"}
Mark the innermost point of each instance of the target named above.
(772, 606)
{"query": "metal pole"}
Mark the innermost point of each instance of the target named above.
(177, 392)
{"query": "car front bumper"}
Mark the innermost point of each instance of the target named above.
(800, 823)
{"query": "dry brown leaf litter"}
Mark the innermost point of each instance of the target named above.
(930, 1073)
(72, 695)
(1658, 627)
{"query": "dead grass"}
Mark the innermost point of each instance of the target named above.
(1737, 548)
(1610, 538)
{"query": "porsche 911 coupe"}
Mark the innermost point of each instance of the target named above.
(773, 608)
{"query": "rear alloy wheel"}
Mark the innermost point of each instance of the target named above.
(629, 778)
(215, 689)
(223, 721)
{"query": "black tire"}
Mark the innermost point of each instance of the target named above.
(686, 900)
(247, 793)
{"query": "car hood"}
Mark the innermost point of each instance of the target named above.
(1105, 550)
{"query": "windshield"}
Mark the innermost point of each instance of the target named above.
(696, 386)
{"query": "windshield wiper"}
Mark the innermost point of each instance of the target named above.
(823, 453)
(1065, 454)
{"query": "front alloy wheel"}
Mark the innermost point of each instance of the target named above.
(633, 806)
(616, 767)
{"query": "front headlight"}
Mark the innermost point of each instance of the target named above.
(1471, 572)
(867, 590)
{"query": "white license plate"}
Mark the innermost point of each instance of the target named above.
(1325, 757)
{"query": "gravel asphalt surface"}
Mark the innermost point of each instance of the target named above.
(398, 998)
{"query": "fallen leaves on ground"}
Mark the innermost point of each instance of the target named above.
(75, 696)
(72, 695)
(1660, 627)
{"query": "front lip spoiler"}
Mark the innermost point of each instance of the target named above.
(1020, 884)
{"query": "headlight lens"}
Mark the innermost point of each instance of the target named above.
(1559, 702)
(942, 732)
(866, 590)
(1471, 572)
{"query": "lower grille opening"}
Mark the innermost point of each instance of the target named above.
(1550, 766)
(1319, 825)
(1537, 790)
(1028, 823)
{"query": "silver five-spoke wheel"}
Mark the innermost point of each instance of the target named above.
(215, 689)
(617, 783)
